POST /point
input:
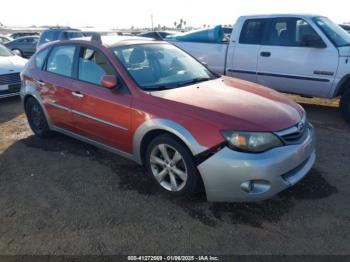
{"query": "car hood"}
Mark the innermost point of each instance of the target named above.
(11, 64)
(234, 104)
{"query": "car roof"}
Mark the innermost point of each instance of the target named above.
(281, 15)
(109, 41)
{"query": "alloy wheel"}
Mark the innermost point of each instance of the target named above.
(168, 167)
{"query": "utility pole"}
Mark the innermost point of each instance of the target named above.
(152, 21)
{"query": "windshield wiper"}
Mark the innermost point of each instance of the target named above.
(156, 88)
(195, 81)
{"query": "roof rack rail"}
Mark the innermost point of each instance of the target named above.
(96, 37)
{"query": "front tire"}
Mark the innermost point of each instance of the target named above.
(17, 52)
(36, 118)
(172, 166)
(344, 105)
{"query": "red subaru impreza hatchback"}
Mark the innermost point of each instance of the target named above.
(155, 104)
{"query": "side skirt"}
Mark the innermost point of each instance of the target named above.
(94, 143)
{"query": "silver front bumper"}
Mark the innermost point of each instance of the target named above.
(227, 173)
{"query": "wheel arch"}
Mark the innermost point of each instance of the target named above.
(343, 85)
(154, 127)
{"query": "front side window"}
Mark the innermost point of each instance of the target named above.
(61, 60)
(252, 31)
(290, 32)
(338, 36)
(93, 65)
(161, 66)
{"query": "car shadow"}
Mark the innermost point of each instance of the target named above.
(10, 108)
(128, 176)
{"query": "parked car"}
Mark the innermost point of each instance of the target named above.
(10, 68)
(346, 28)
(158, 35)
(21, 34)
(153, 103)
(301, 54)
(59, 33)
(4, 39)
(23, 46)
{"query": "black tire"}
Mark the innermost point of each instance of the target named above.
(36, 118)
(192, 183)
(344, 105)
(19, 52)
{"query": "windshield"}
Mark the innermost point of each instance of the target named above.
(334, 32)
(161, 66)
(4, 51)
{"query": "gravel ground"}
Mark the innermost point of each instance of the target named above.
(61, 196)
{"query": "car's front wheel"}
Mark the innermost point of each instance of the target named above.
(171, 165)
(36, 118)
(17, 52)
(344, 105)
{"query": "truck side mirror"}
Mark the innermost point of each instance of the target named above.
(315, 41)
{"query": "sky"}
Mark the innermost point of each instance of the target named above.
(137, 13)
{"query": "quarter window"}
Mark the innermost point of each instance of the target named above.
(40, 58)
(61, 60)
(93, 65)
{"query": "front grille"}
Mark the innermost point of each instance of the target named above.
(295, 134)
(9, 79)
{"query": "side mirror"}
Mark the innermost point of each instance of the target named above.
(109, 81)
(312, 41)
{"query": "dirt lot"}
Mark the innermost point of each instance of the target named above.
(61, 196)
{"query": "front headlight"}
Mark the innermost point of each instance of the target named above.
(251, 141)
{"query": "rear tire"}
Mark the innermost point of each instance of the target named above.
(172, 167)
(17, 52)
(344, 105)
(36, 118)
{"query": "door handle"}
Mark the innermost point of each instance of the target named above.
(40, 82)
(265, 54)
(77, 94)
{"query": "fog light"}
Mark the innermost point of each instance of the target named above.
(255, 186)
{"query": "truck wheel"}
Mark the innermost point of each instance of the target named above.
(344, 105)
(36, 118)
(172, 166)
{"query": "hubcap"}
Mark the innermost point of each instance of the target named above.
(168, 167)
(36, 117)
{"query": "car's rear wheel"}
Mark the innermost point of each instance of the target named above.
(344, 105)
(17, 52)
(172, 166)
(36, 118)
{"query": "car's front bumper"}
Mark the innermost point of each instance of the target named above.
(230, 176)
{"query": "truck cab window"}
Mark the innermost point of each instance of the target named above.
(252, 31)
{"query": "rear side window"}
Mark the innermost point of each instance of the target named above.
(40, 58)
(253, 31)
(61, 60)
(93, 65)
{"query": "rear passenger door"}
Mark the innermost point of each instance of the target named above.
(287, 64)
(244, 60)
(100, 114)
(55, 84)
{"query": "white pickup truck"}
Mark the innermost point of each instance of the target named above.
(308, 55)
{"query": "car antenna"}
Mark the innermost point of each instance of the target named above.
(96, 37)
